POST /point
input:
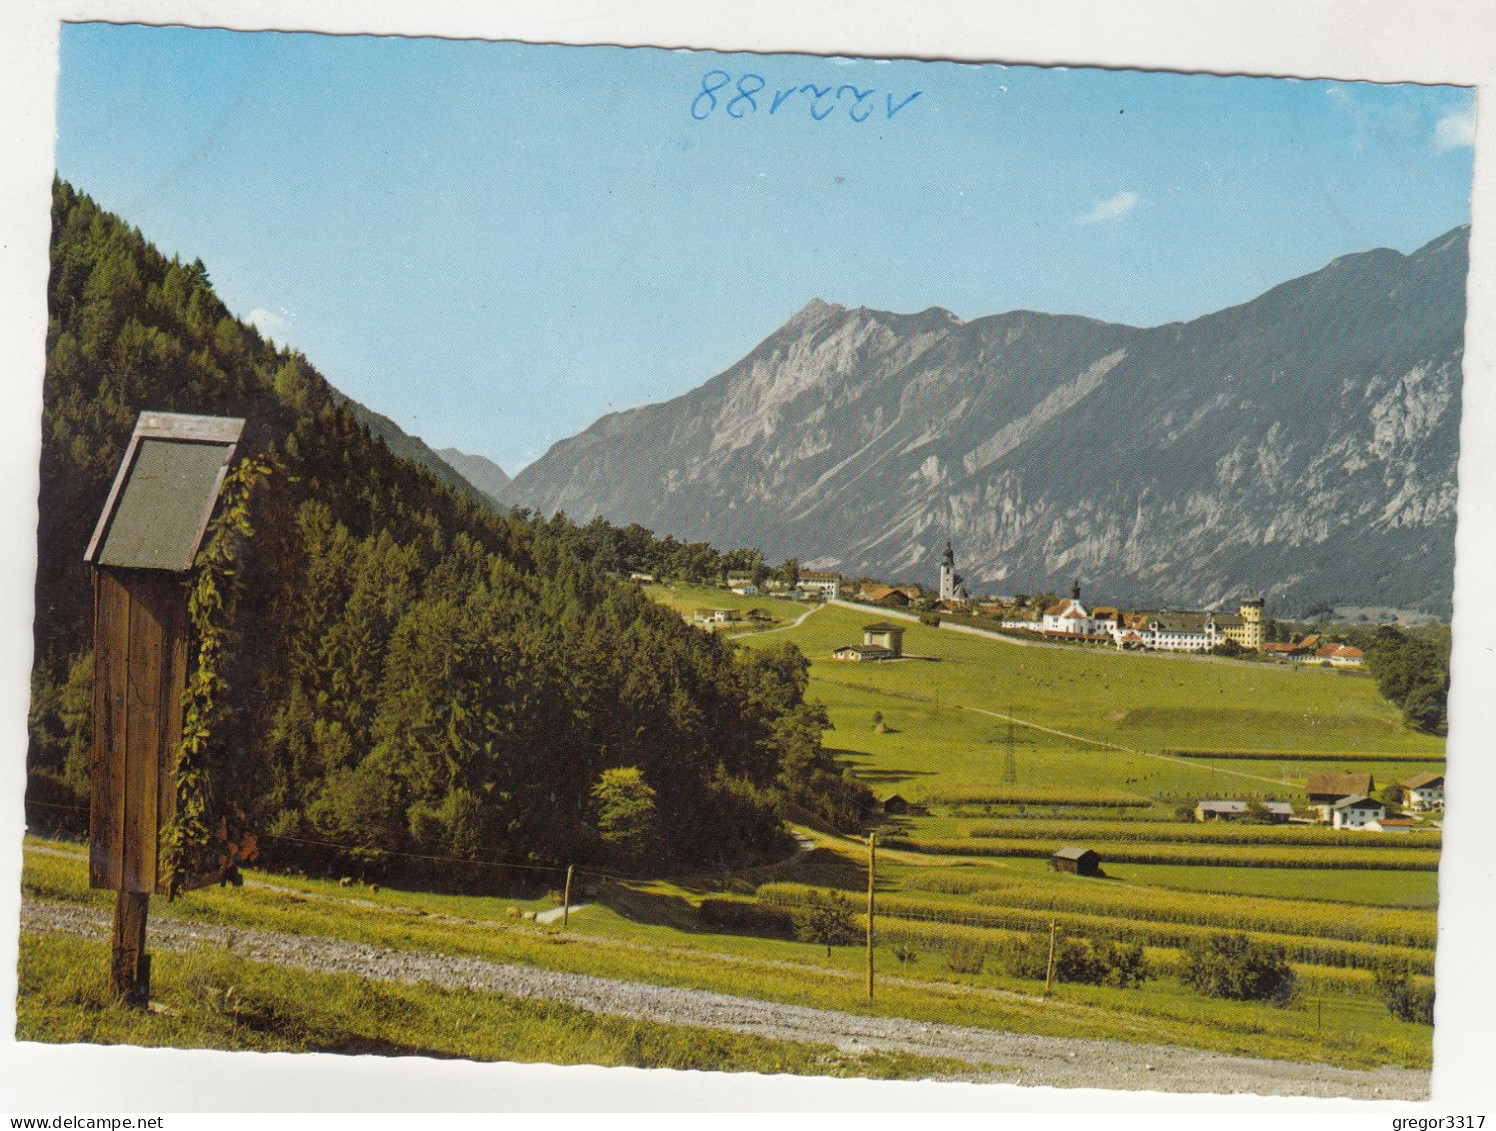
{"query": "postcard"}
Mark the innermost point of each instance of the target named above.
(786, 563)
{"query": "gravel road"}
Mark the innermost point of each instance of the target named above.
(995, 1056)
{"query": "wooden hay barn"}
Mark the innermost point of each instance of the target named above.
(1081, 861)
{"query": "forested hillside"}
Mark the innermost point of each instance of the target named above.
(411, 672)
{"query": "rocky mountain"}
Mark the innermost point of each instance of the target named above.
(1303, 444)
(480, 471)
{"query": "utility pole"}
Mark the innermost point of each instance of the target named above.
(566, 899)
(1049, 966)
(872, 870)
(1010, 764)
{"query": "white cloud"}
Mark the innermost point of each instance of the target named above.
(1456, 130)
(267, 322)
(1113, 209)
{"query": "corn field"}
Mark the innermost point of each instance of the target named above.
(1398, 859)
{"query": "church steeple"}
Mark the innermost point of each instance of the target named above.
(948, 579)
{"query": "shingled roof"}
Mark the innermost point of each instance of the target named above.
(1332, 783)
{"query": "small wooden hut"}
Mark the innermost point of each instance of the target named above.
(1081, 861)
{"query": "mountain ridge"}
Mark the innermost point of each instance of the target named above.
(1049, 445)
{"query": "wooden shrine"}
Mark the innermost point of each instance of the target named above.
(142, 548)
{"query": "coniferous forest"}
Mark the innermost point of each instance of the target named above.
(410, 672)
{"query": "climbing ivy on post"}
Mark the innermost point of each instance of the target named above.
(192, 847)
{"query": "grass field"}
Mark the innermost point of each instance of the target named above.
(212, 999)
(1145, 703)
(652, 934)
(686, 599)
(1373, 887)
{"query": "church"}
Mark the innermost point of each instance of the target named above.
(952, 584)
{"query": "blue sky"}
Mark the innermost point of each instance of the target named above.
(496, 243)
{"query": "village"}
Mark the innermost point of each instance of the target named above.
(1338, 800)
(1061, 620)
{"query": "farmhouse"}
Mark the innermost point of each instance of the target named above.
(1339, 655)
(885, 595)
(1391, 825)
(1326, 787)
(1424, 792)
(714, 616)
(1105, 619)
(1081, 861)
(859, 653)
(1356, 812)
(1277, 812)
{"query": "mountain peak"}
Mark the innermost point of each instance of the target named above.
(816, 310)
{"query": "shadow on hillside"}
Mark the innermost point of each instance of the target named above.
(854, 759)
(875, 777)
(820, 867)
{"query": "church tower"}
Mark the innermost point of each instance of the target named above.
(948, 574)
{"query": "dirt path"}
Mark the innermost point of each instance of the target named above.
(995, 1056)
(556, 914)
(796, 623)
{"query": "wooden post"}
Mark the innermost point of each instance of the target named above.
(142, 550)
(872, 869)
(1049, 966)
(566, 899)
(130, 966)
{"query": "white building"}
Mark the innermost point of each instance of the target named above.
(1356, 812)
(1172, 632)
(1069, 617)
(828, 585)
(1424, 793)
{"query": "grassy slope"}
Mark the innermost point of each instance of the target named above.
(1144, 703)
(209, 998)
(652, 935)
(686, 599)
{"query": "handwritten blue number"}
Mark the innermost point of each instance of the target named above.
(779, 97)
(820, 93)
(745, 94)
(862, 95)
(892, 109)
(709, 92)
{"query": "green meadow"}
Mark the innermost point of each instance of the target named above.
(686, 599)
(1115, 713)
(1374, 887)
